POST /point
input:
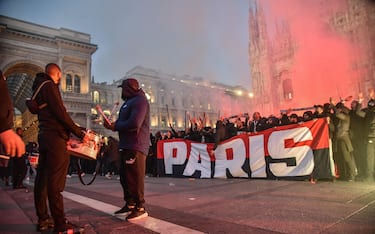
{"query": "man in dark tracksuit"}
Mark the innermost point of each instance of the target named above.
(369, 115)
(345, 148)
(55, 126)
(358, 138)
(133, 126)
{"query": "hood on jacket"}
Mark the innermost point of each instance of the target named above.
(39, 79)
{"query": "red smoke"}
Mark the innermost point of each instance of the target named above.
(323, 55)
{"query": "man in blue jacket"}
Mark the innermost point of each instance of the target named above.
(133, 126)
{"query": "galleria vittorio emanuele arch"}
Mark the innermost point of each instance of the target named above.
(25, 48)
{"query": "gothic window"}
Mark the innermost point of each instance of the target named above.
(68, 83)
(77, 84)
(288, 89)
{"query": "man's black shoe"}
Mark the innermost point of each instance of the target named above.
(68, 228)
(137, 213)
(76, 230)
(45, 225)
(124, 210)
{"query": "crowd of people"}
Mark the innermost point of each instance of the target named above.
(351, 130)
(16, 170)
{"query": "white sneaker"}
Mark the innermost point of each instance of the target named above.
(68, 176)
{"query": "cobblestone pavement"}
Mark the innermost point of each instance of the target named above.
(183, 205)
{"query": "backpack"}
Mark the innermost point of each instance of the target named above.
(32, 104)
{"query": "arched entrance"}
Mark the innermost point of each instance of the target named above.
(20, 77)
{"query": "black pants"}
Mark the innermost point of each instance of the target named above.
(73, 162)
(51, 177)
(19, 171)
(151, 164)
(359, 154)
(370, 158)
(132, 177)
(346, 158)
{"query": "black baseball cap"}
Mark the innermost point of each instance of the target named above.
(131, 83)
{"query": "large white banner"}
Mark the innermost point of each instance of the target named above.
(287, 151)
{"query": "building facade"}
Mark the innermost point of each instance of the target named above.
(25, 49)
(270, 65)
(275, 61)
(175, 100)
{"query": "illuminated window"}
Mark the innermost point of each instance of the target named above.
(77, 84)
(163, 121)
(69, 83)
(96, 97)
(154, 120)
(152, 100)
